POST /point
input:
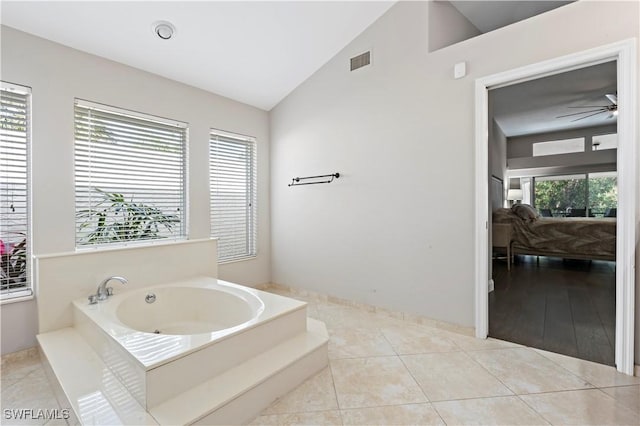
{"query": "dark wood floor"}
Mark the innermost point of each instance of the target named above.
(563, 306)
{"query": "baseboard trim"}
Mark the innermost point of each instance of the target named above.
(405, 316)
(21, 355)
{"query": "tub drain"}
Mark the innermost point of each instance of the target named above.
(156, 331)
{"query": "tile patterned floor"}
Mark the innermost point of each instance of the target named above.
(24, 385)
(384, 370)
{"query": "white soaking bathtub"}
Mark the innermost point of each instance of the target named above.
(185, 310)
(163, 340)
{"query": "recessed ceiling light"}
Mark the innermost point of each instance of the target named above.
(163, 29)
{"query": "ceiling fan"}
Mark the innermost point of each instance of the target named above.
(599, 109)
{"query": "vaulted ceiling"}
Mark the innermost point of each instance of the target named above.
(252, 52)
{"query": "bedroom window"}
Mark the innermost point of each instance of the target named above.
(590, 194)
(129, 176)
(563, 195)
(603, 193)
(563, 146)
(15, 140)
(233, 185)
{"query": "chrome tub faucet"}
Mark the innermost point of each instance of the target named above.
(103, 292)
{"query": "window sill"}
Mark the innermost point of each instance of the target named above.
(133, 244)
(18, 296)
(240, 259)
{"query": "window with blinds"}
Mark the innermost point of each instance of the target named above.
(232, 181)
(129, 176)
(14, 191)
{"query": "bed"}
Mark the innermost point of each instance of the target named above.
(566, 237)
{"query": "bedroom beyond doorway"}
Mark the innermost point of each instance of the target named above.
(553, 145)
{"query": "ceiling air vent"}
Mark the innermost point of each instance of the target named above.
(361, 60)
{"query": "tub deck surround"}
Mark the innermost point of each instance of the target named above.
(256, 347)
(157, 367)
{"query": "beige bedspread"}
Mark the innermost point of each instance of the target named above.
(571, 237)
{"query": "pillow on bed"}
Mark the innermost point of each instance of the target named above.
(525, 211)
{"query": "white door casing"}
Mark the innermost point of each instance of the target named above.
(624, 52)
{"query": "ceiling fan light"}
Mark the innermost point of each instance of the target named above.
(615, 113)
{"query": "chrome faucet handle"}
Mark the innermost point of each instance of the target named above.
(93, 299)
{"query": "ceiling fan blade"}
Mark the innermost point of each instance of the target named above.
(589, 106)
(587, 116)
(613, 98)
(583, 112)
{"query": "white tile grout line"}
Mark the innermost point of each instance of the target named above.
(615, 401)
(534, 410)
(501, 382)
(415, 380)
(335, 393)
(386, 405)
(565, 368)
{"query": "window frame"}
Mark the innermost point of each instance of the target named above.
(26, 292)
(251, 175)
(182, 232)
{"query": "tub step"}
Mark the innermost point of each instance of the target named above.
(236, 396)
(90, 389)
(240, 394)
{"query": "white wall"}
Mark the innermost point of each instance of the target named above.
(57, 75)
(397, 229)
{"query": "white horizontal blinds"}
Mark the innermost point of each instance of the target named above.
(129, 176)
(232, 180)
(14, 199)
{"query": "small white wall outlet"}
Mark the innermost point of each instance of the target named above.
(491, 285)
(459, 70)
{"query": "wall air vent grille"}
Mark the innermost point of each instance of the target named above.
(361, 60)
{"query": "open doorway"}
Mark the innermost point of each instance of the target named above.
(625, 54)
(553, 142)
